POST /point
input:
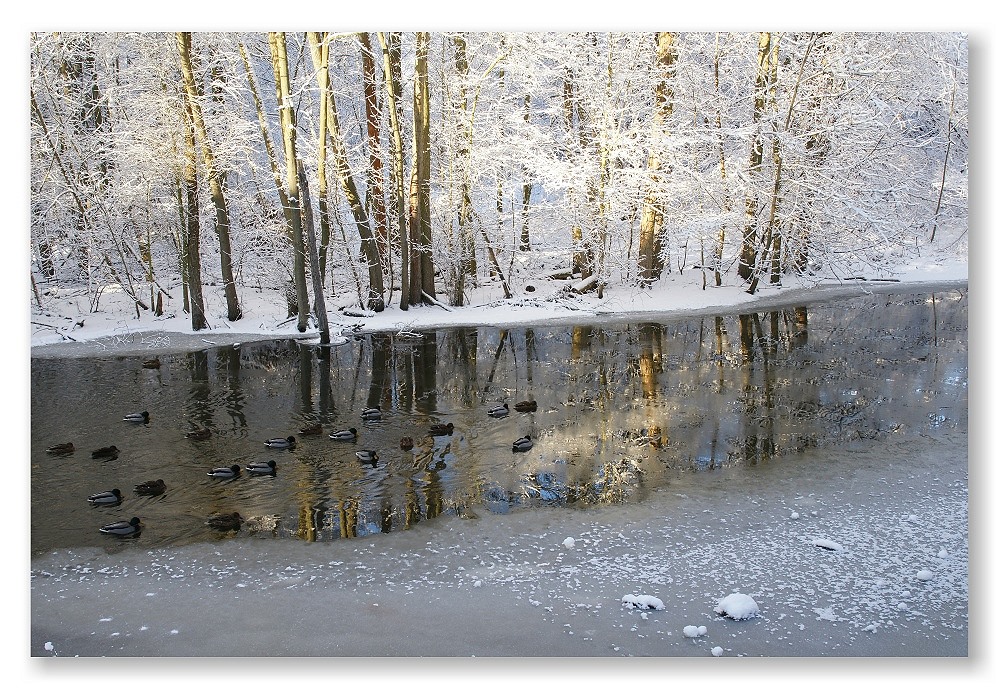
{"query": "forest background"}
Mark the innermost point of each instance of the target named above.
(400, 169)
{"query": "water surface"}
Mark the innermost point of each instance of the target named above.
(621, 411)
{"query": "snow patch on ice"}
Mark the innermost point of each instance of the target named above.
(827, 544)
(642, 602)
(738, 606)
(693, 631)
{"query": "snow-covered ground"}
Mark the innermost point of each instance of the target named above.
(65, 319)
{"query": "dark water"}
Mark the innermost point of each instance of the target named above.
(622, 411)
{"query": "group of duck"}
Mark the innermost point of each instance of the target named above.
(232, 521)
(114, 496)
(522, 444)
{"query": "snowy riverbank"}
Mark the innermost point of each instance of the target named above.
(56, 329)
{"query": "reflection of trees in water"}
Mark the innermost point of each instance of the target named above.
(756, 393)
(424, 497)
(234, 397)
(200, 407)
(618, 407)
(379, 371)
(489, 387)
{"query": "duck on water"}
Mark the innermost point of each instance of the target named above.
(108, 497)
(155, 487)
(130, 528)
(348, 435)
(268, 467)
(225, 472)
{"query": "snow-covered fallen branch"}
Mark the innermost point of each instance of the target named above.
(58, 331)
(431, 300)
(584, 285)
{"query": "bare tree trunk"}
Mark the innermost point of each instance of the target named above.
(373, 300)
(525, 244)
(748, 251)
(651, 226)
(944, 167)
(421, 214)
(722, 169)
(772, 240)
(193, 230)
(573, 111)
(460, 243)
(761, 252)
(376, 196)
(603, 179)
(213, 174)
(390, 67)
(323, 77)
(495, 263)
(265, 135)
(413, 230)
(180, 241)
(279, 59)
(319, 302)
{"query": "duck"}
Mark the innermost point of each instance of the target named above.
(137, 417)
(61, 449)
(369, 456)
(522, 444)
(281, 442)
(497, 412)
(315, 429)
(130, 528)
(108, 497)
(526, 405)
(225, 472)
(110, 451)
(226, 522)
(151, 487)
(372, 413)
(267, 467)
(406, 443)
(151, 363)
(350, 434)
(199, 434)
(442, 429)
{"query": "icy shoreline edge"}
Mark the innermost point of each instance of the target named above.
(146, 339)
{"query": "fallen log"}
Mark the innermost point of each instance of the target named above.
(584, 285)
(560, 274)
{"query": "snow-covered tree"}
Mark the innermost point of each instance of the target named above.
(617, 157)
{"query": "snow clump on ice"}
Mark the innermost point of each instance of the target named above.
(642, 602)
(693, 631)
(828, 544)
(925, 575)
(569, 542)
(738, 606)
